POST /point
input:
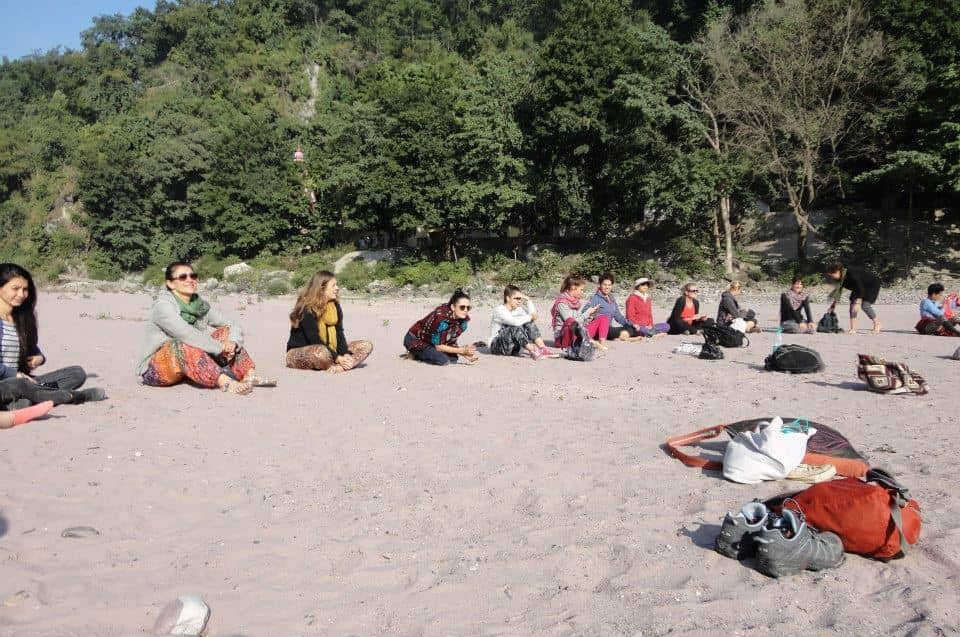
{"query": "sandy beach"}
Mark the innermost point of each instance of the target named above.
(510, 497)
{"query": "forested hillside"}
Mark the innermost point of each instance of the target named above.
(636, 128)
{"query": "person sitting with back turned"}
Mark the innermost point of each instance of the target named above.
(316, 338)
(179, 345)
(685, 318)
(730, 310)
(794, 308)
(433, 339)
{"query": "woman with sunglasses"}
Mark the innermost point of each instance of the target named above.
(179, 344)
(433, 339)
(513, 328)
(316, 338)
(20, 355)
(685, 318)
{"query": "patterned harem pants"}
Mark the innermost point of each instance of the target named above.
(176, 361)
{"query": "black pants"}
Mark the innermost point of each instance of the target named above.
(16, 393)
(429, 354)
(512, 339)
(615, 332)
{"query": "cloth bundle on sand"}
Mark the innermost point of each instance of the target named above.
(826, 446)
(889, 378)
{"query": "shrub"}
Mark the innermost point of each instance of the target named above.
(276, 287)
(103, 267)
(355, 275)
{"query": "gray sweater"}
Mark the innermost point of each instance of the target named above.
(166, 324)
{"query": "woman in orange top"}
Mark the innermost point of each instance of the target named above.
(686, 317)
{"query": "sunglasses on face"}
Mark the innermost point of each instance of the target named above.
(463, 308)
(516, 298)
(183, 277)
(693, 291)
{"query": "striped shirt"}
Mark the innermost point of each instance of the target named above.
(9, 347)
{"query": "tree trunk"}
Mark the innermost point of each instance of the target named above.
(727, 234)
(801, 237)
(716, 231)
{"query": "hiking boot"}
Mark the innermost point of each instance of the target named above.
(736, 533)
(789, 546)
(81, 396)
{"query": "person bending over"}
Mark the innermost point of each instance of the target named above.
(685, 318)
(864, 289)
(513, 327)
(316, 338)
(179, 344)
(433, 339)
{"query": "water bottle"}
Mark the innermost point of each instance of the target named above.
(778, 339)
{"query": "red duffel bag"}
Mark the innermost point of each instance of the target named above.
(874, 517)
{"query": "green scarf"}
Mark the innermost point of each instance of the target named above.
(193, 311)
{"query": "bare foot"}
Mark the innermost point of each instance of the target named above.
(876, 327)
(236, 387)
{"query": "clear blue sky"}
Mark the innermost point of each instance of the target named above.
(30, 25)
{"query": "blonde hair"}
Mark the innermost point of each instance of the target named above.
(313, 297)
(735, 286)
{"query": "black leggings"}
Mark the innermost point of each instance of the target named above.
(13, 390)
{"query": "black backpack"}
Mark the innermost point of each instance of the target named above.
(583, 348)
(794, 359)
(829, 323)
(724, 336)
(710, 352)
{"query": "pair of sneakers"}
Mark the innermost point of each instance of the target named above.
(783, 544)
(543, 352)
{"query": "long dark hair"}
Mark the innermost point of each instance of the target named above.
(25, 316)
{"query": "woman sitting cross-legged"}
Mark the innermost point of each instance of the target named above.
(180, 346)
(20, 355)
(607, 303)
(686, 317)
(568, 311)
(730, 310)
(513, 327)
(640, 310)
(433, 339)
(316, 338)
(795, 314)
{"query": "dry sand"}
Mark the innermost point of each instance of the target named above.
(510, 497)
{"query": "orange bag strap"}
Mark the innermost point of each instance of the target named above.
(674, 443)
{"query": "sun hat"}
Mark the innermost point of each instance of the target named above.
(641, 281)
